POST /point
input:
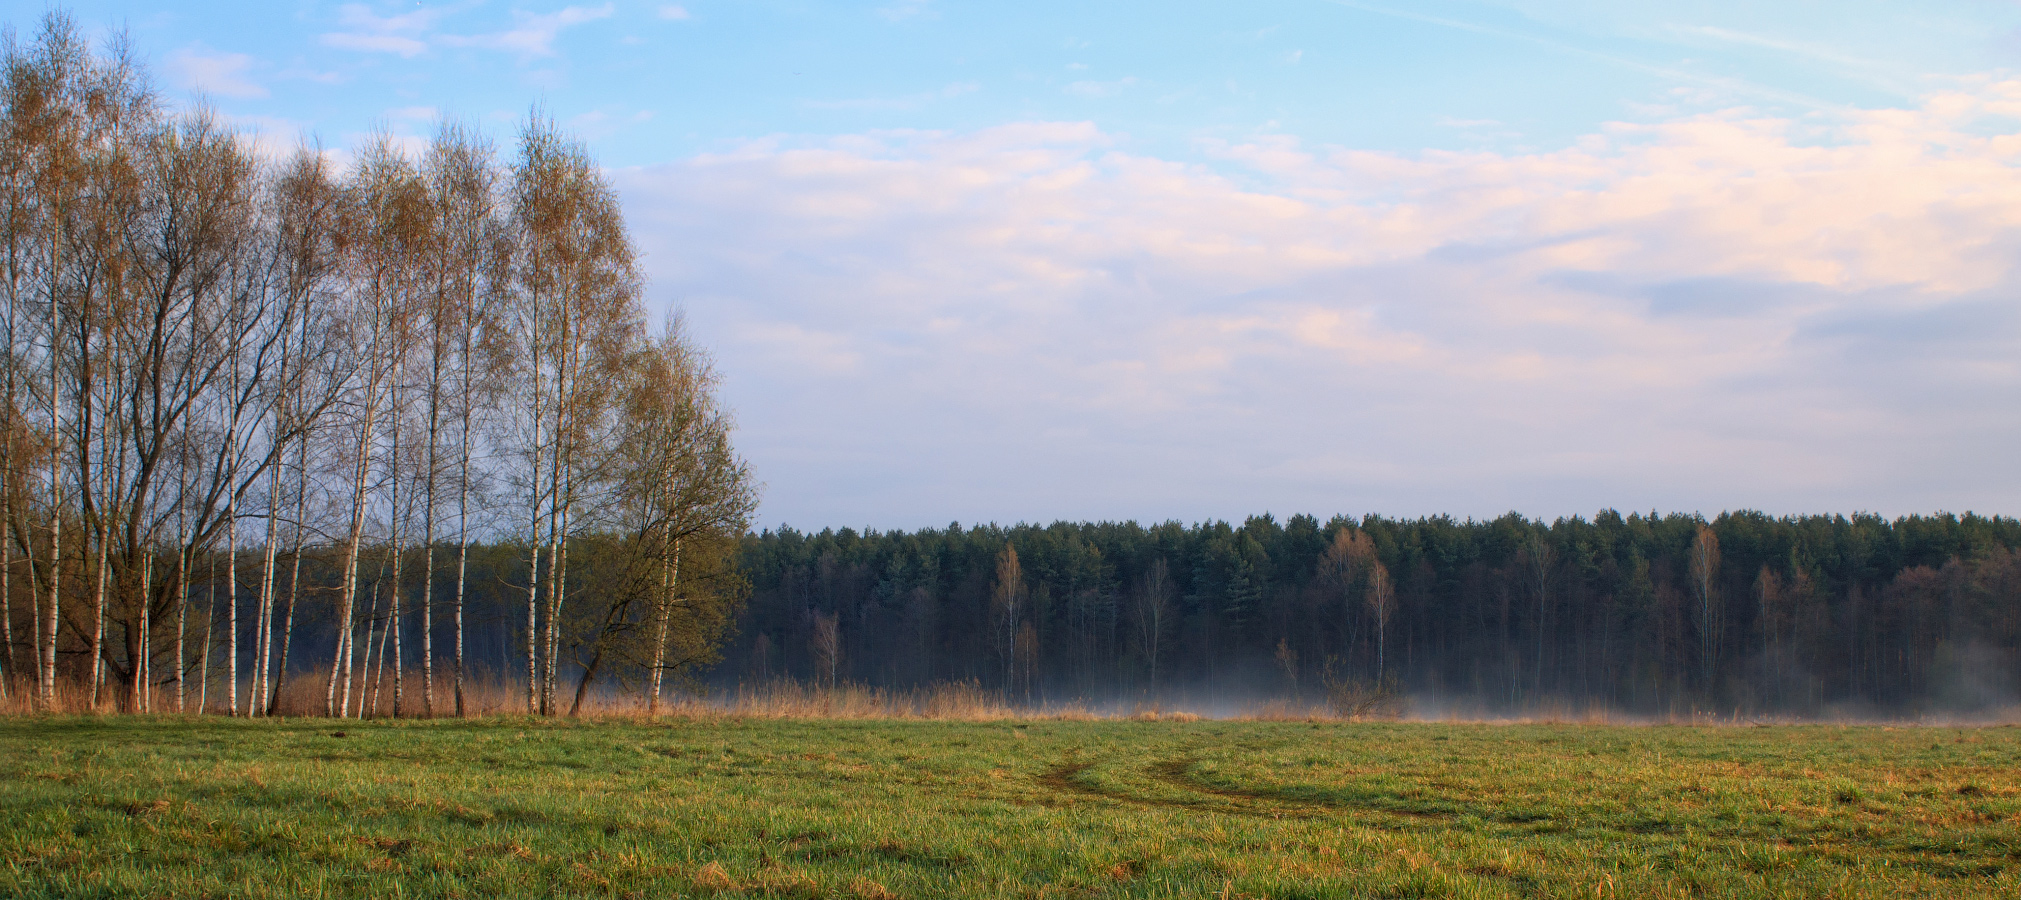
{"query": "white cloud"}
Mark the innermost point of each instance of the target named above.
(369, 32)
(411, 34)
(1699, 313)
(224, 74)
(532, 34)
(272, 138)
(360, 16)
(376, 43)
(674, 13)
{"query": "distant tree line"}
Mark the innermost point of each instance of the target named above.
(1652, 613)
(242, 400)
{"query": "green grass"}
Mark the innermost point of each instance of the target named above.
(178, 807)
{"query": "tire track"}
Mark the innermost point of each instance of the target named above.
(1179, 773)
(1065, 778)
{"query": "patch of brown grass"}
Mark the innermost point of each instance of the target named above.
(865, 889)
(712, 877)
(146, 807)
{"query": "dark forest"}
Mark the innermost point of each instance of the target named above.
(1655, 614)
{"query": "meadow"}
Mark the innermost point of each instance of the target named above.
(744, 806)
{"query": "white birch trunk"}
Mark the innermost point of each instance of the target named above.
(533, 638)
(181, 623)
(232, 533)
(7, 543)
(393, 624)
(232, 595)
(393, 598)
(463, 513)
(143, 667)
(368, 690)
(265, 627)
(203, 682)
(339, 700)
(295, 560)
(670, 579)
(46, 629)
(428, 528)
(98, 622)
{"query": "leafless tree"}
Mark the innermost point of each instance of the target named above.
(1381, 603)
(1538, 554)
(1154, 602)
(1007, 602)
(198, 343)
(1704, 572)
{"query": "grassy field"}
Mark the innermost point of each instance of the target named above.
(922, 809)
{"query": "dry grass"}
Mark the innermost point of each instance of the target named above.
(788, 699)
(488, 694)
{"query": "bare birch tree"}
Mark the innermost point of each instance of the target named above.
(1704, 574)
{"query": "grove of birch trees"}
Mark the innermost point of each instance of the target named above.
(243, 397)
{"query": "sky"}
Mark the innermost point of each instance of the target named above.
(1172, 260)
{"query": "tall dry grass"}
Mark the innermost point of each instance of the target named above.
(789, 699)
(489, 694)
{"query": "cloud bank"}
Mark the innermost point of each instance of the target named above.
(1032, 322)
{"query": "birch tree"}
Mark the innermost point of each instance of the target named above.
(198, 345)
(1703, 565)
(576, 288)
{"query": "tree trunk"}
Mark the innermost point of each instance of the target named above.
(666, 605)
(181, 625)
(398, 518)
(368, 692)
(428, 525)
(582, 686)
(203, 684)
(265, 627)
(143, 668)
(98, 621)
(463, 520)
(47, 628)
(338, 702)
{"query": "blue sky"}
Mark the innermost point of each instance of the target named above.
(644, 81)
(1186, 260)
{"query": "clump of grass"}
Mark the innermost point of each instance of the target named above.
(712, 877)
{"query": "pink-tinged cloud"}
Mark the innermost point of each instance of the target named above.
(1029, 322)
(411, 34)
